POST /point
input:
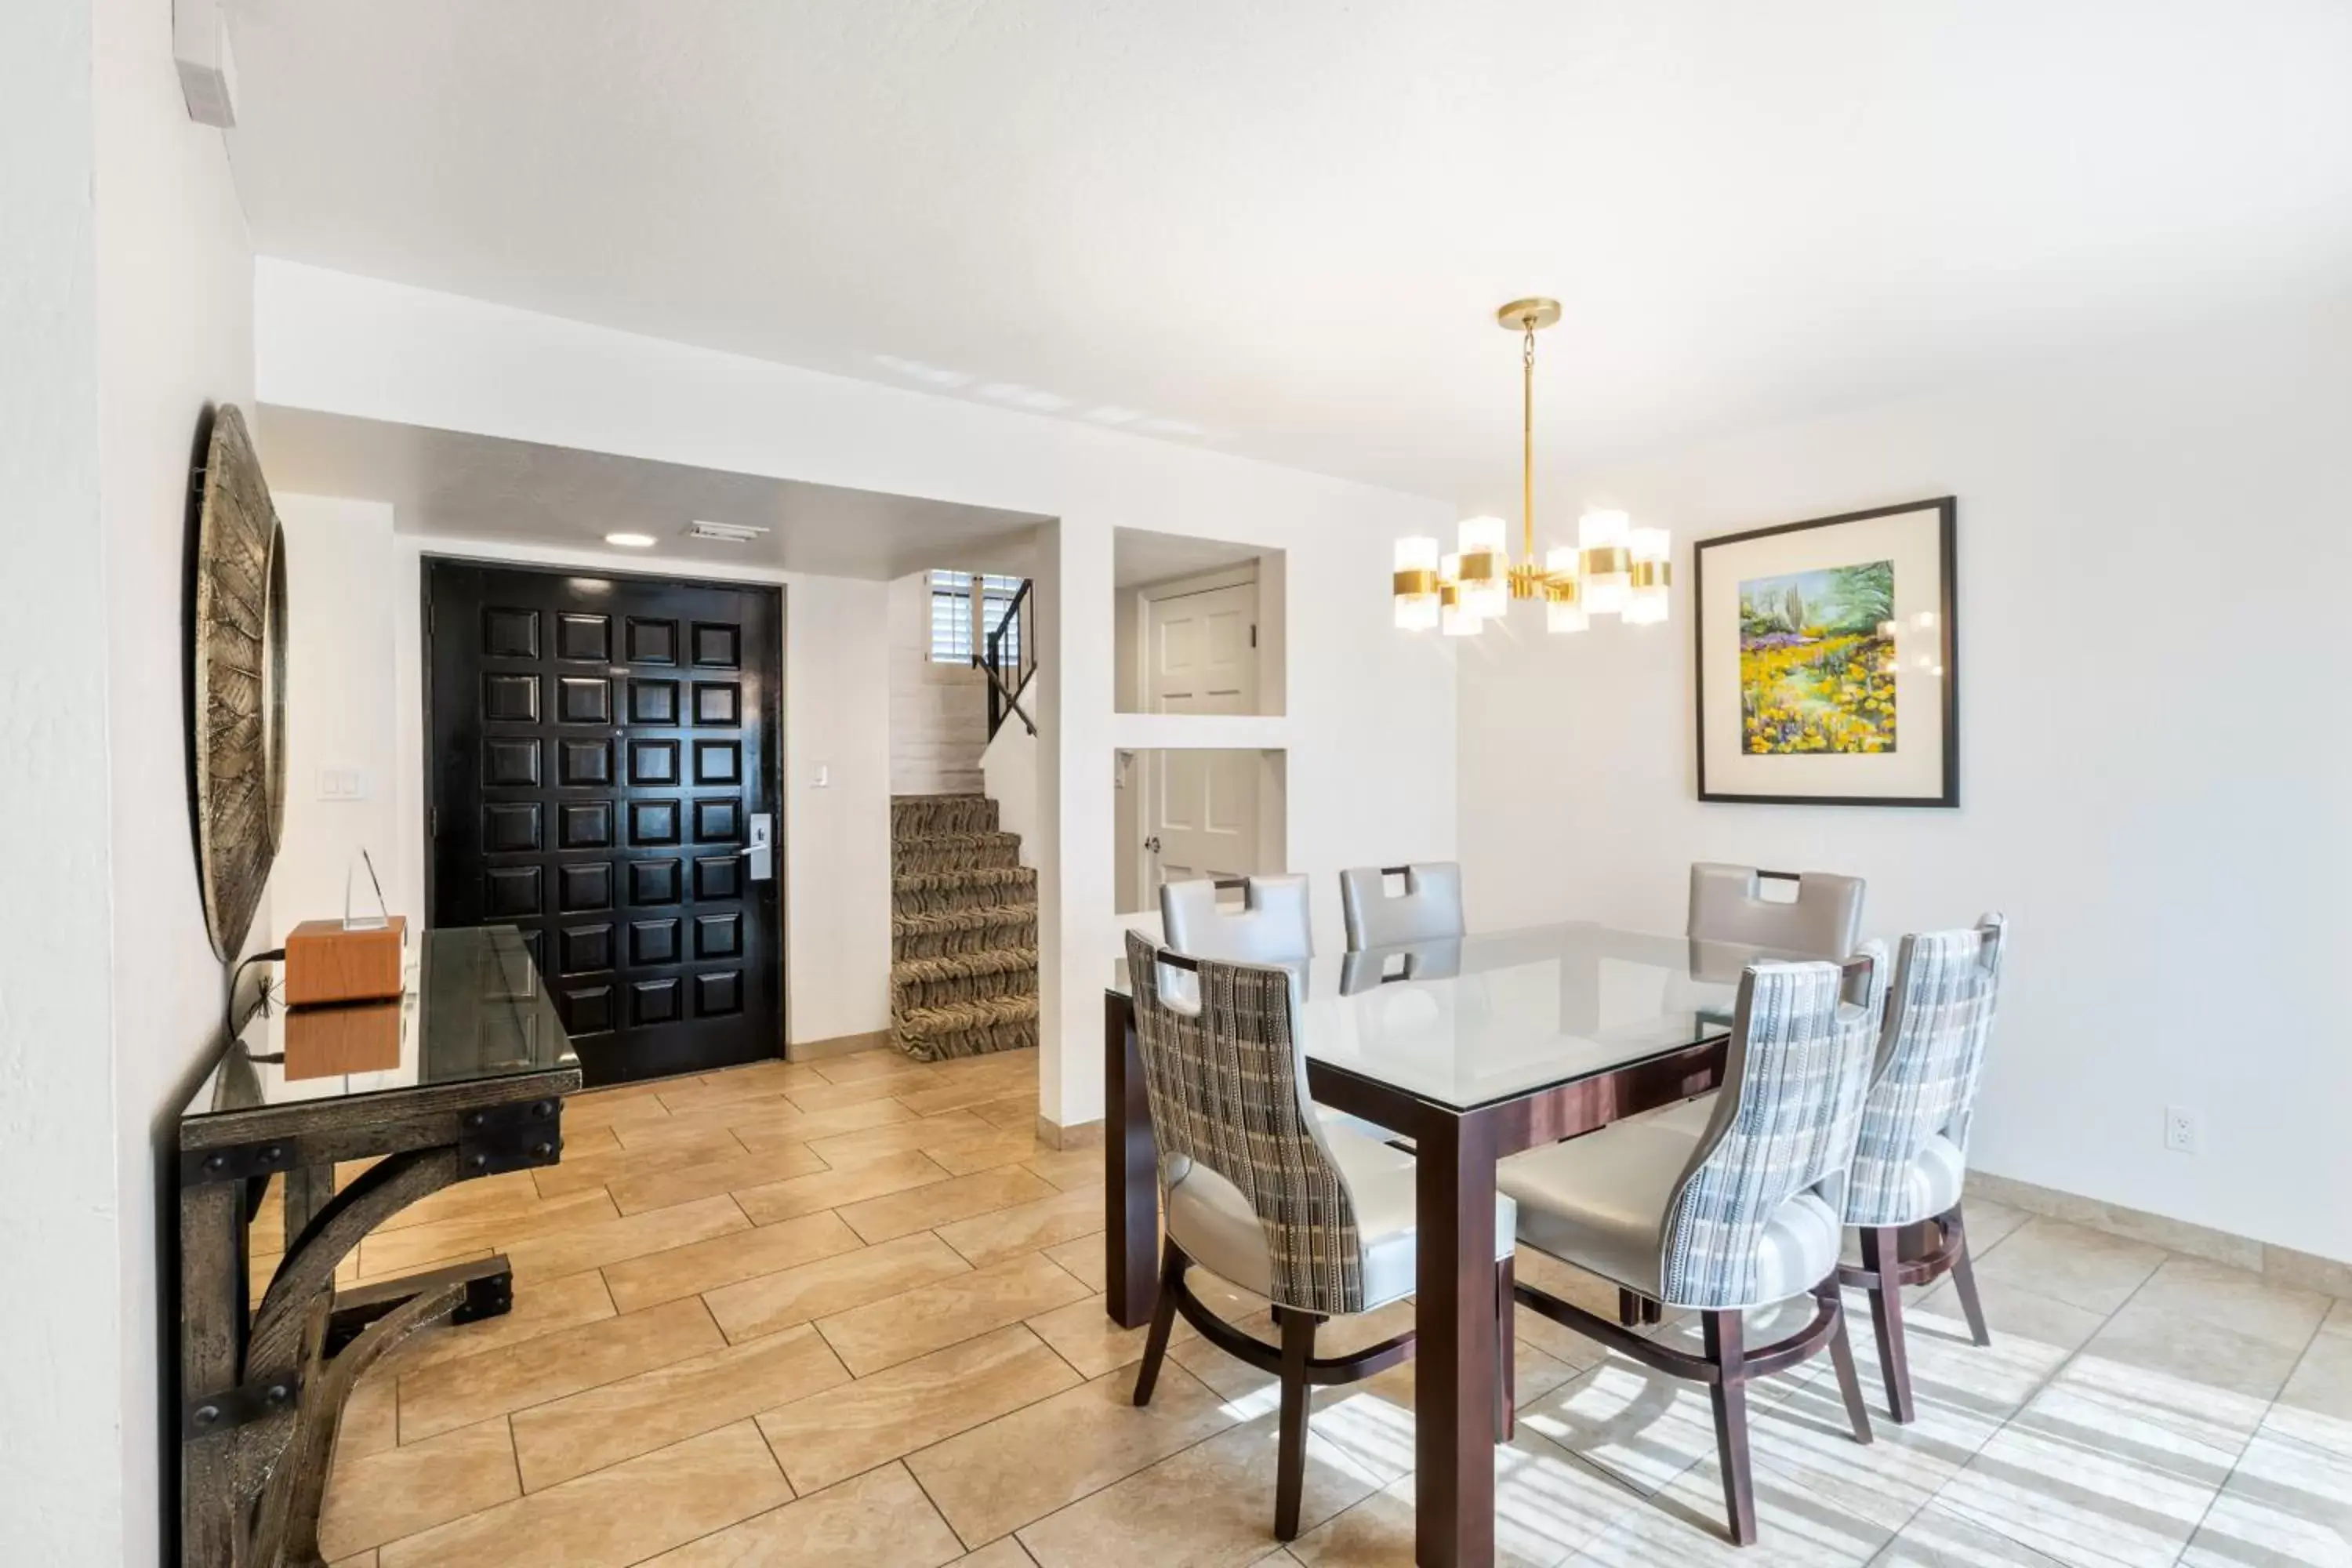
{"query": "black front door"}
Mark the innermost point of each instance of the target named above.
(602, 770)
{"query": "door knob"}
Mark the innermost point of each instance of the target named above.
(1152, 843)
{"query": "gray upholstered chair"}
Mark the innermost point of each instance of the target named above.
(1727, 904)
(1427, 908)
(1905, 1193)
(1743, 1214)
(1256, 1189)
(1269, 926)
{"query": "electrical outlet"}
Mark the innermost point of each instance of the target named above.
(2179, 1130)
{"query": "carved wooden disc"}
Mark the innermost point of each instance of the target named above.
(240, 684)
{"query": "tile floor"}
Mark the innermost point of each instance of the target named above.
(850, 1312)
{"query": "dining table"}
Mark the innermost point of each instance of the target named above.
(1474, 1048)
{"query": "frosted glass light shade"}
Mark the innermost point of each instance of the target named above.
(1651, 548)
(1486, 588)
(1416, 584)
(1565, 615)
(1602, 529)
(1479, 533)
(1559, 561)
(1458, 620)
(1650, 543)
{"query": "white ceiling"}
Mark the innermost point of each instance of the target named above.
(1281, 229)
(519, 492)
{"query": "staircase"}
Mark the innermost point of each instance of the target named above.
(963, 930)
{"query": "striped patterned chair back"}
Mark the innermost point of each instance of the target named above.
(1228, 1088)
(1785, 1121)
(1939, 1014)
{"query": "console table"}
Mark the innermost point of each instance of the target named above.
(463, 1076)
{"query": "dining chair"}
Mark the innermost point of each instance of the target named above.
(1912, 1161)
(1269, 926)
(1256, 1189)
(1743, 1215)
(1427, 908)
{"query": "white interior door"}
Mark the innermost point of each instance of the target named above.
(1201, 657)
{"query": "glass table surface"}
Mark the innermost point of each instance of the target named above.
(1467, 1022)
(473, 1007)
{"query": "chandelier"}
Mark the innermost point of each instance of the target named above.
(1614, 569)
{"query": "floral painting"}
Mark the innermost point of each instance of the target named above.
(1816, 664)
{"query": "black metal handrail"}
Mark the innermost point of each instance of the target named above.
(1005, 686)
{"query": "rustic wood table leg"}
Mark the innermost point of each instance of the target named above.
(1454, 1393)
(308, 1189)
(212, 1221)
(1131, 1173)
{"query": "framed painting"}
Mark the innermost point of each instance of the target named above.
(1828, 667)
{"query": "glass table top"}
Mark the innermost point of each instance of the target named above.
(473, 1007)
(1477, 1019)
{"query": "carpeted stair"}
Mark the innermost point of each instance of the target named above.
(963, 930)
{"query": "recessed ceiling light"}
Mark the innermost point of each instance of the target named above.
(631, 541)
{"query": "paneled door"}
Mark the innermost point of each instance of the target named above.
(603, 775)
(1202, 812)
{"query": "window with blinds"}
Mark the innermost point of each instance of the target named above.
(953, 639)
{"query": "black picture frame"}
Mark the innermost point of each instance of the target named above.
(1948, 519)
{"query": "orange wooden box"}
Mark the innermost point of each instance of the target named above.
(324, 962)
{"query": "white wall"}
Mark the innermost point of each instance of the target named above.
(1371, 732)
(939, 713)
(356, 590)
(2153, 752)
(62, 1477)
(125, 293)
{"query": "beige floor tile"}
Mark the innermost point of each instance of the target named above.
(813, 1096)
(633, 1106)
(398, 1251)
(399, 1491)
(2009, 1311)
(1937, 1537)
(789, 1296)
(614, 1516)
(539, 1308)
(370, 1422)
(1004, 1554)
(1017, 1112)
(1085, 1260)
(1082, 1334)
(821, 1439)
(1548, 1505)
(2286, 1506)
(879, 1517)
(579, 1172)
(681, 1271)
(771, 1075)
(2068, 1263)
(954, 1094)
(2194, 1353)
(932, 1317)
(1210, 1505)
(2315, 1406)
(2235, 1299)
(552, 1256)
(1642, 1427)
(793, 1125)
(944, 1203)
(634, 1194)
(1685, 1525)
(1071, 1169)
(356, 1560)
(775, 1201)
(1963, 1391)
(1990, 1222)
(702, 1094)
(860, 1065)
(992, 1153)
(945, 1131)
(458, 1393)
(1026, 1227)
(485, 1197)
(1018, 1469)
(601, 1426)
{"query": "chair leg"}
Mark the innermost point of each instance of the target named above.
(1506, 1376)
(1857, 1409)
(1291, 1459)
(1964, 1280)
(1653, 1312)
(1172, 1263)
(1628, 1309)
(1722, 1333)
(1879, 1255)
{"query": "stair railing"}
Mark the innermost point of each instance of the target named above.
(1009, 669)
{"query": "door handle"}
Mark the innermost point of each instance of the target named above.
(1152, 843)
(760, 858)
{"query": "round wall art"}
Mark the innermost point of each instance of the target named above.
(239, 721)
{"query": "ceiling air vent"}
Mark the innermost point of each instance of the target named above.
(732, 533)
